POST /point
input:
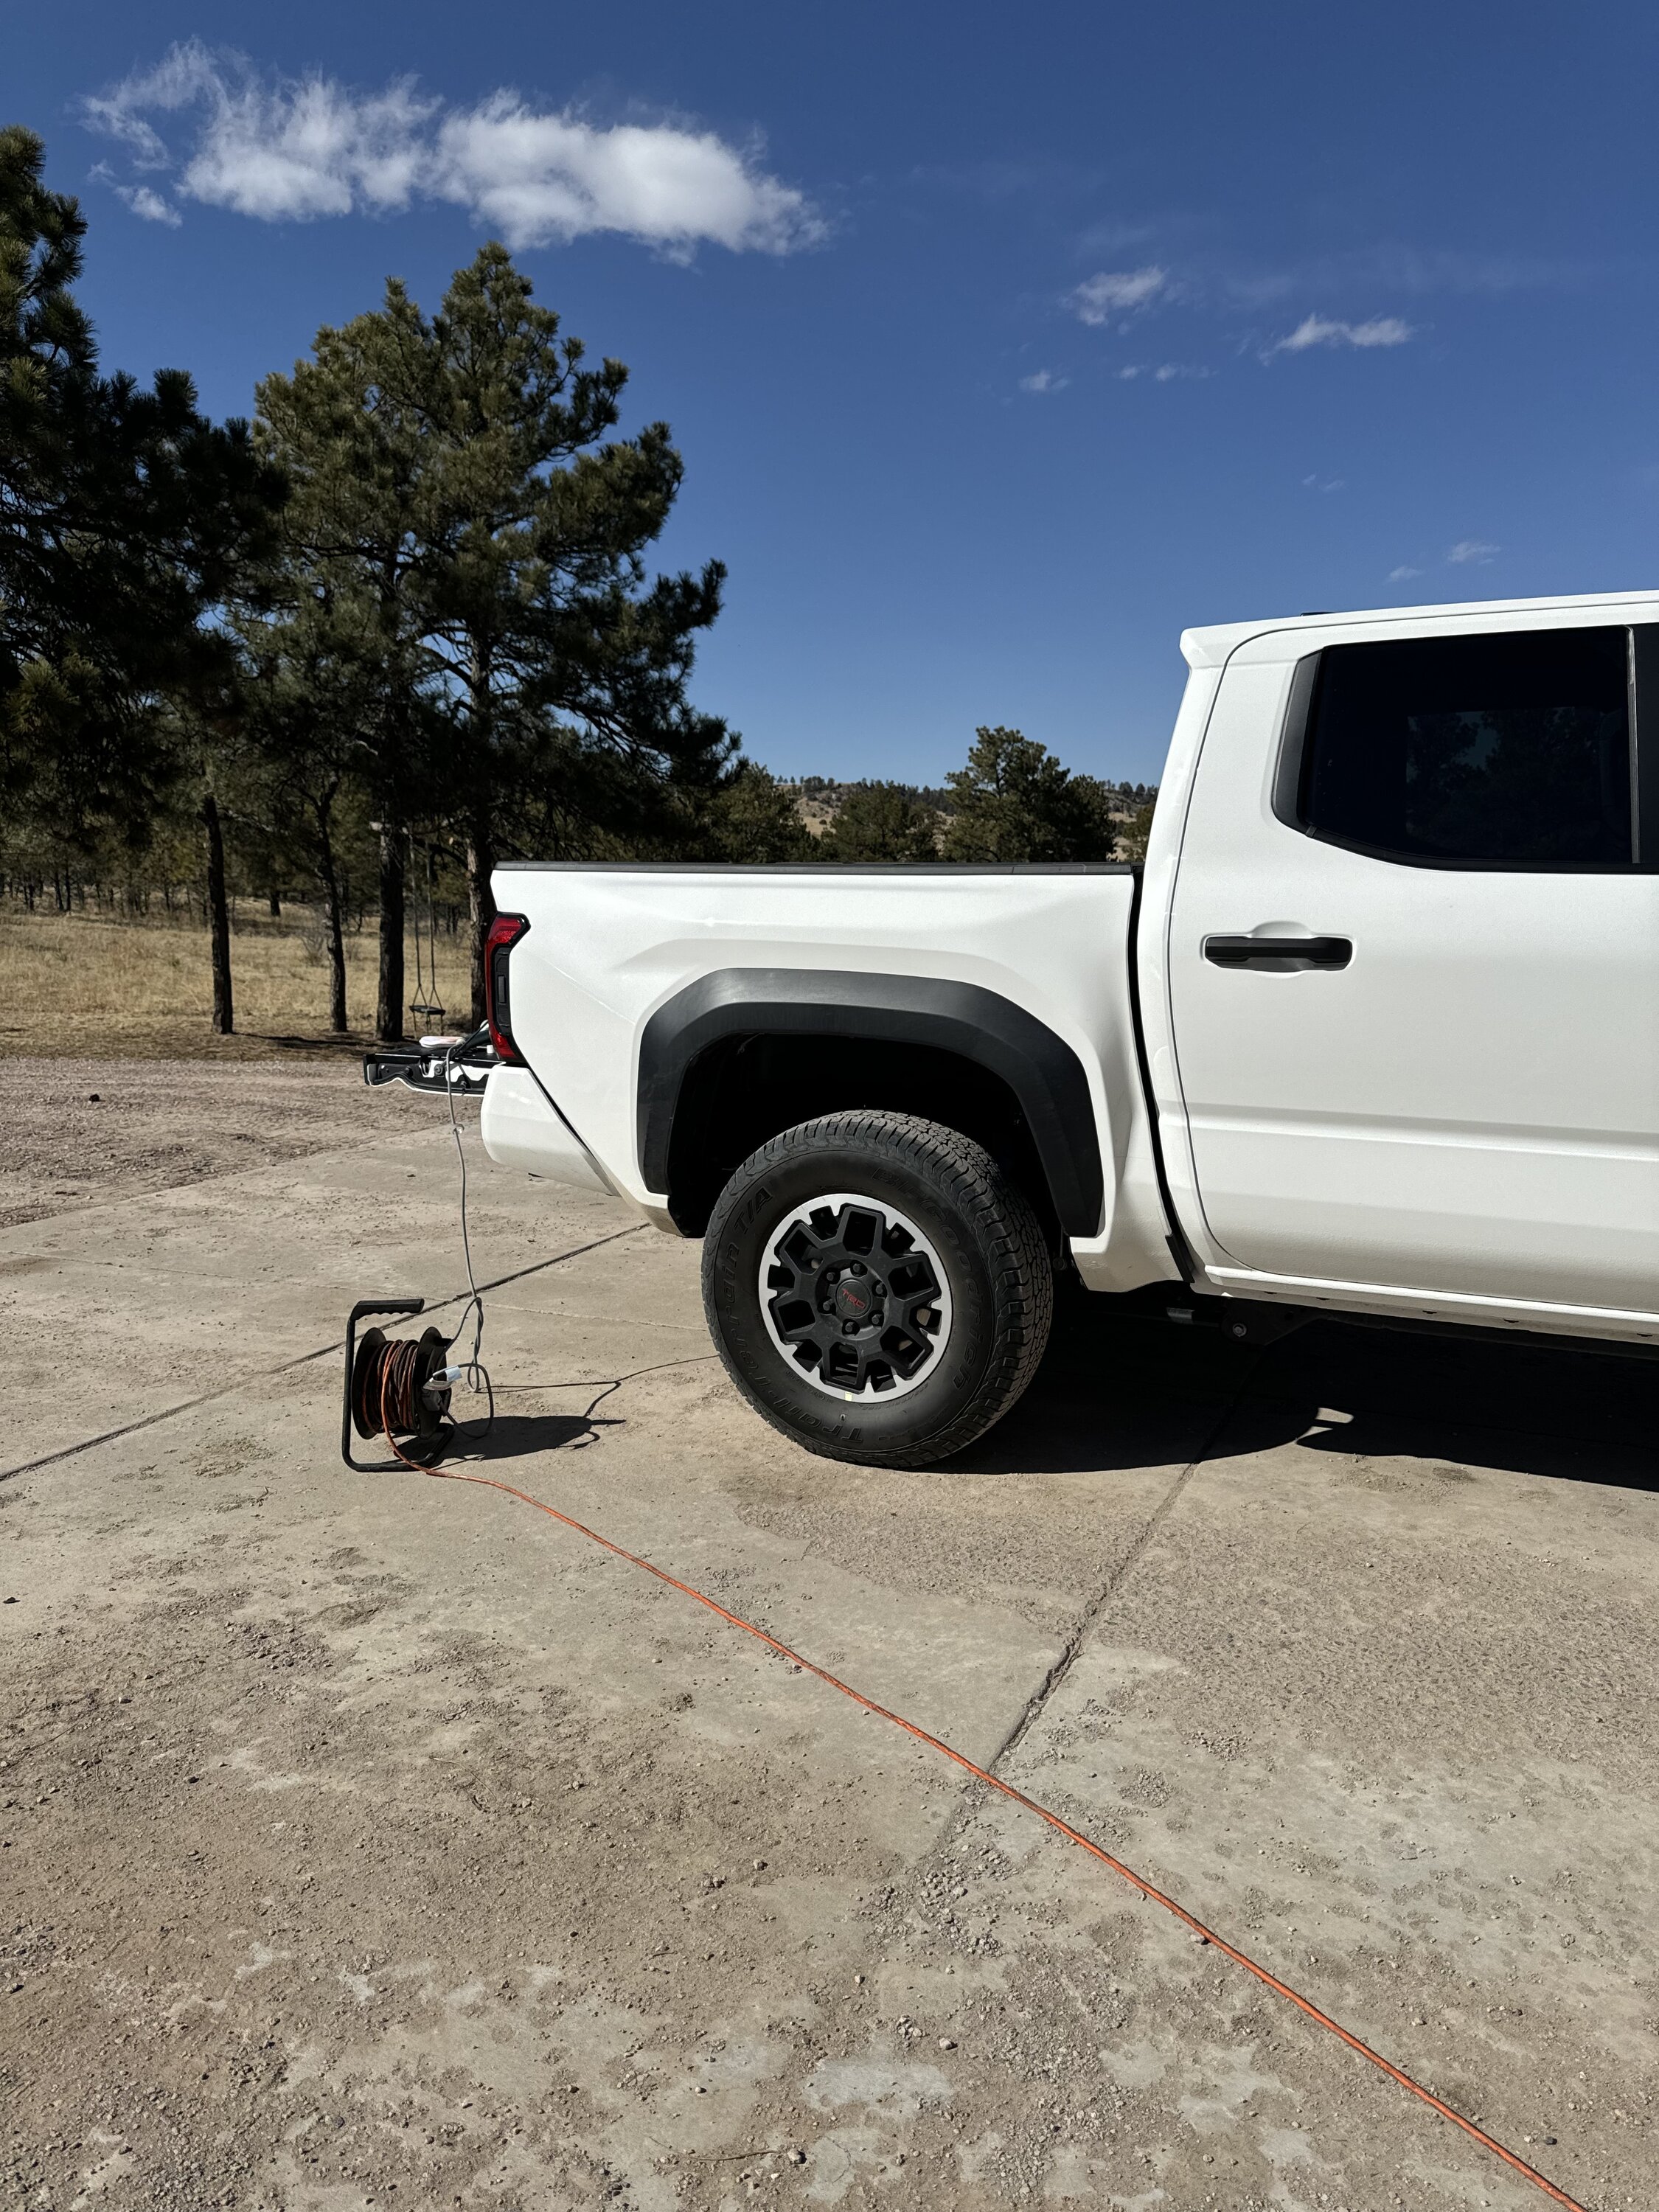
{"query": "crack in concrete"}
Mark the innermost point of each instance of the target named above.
(299, 1359)
(1097, 1605)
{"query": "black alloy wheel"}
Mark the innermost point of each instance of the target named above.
(877, 1288)
(855, 1296)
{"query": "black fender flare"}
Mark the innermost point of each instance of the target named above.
(1041, 1070)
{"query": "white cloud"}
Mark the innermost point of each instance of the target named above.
(1166, 371)
(1097, 299)
(1320, 331)
(149, 205)
(1399, 575)
(1470, 549)
(1317, 483)
(1043, 379)
(538, 176)
(295, 149)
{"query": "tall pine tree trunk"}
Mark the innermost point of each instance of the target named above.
(224, 1018)
(481, 904)
(331, 879)
(389, 1014)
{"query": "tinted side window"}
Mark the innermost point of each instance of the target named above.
(1510, 750)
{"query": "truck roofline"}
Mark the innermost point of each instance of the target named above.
(1211, 645)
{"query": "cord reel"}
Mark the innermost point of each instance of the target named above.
(394, 1386)
(401, 1386)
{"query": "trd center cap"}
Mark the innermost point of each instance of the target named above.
(853, 1300)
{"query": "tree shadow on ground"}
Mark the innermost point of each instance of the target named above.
(1122, 1387)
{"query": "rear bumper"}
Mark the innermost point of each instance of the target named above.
(521, 1128)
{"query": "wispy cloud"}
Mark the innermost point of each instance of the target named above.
(1321, 331)
(1121, 298)
(1043, 379)
(1166, 371)
(1317, 483)
(1394, 268)
(1471, 549)
(1399, 575)
(1097, 299)
(294, 149)
(149, 205)
(140, 198)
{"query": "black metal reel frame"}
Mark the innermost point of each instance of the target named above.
(852, 1297)
(352, 1414)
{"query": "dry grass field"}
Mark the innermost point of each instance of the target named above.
(87, 985)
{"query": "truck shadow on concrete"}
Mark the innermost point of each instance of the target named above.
(1120, 1388)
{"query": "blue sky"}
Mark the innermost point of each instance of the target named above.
(1000, 344)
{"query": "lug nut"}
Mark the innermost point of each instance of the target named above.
(826, 1305)
(847, 1328)
(858, 1268)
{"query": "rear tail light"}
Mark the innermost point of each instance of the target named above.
(504, 933)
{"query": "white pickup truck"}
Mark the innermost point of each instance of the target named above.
(1375, 1031)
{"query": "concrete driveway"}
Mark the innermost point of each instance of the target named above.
(369, 1840)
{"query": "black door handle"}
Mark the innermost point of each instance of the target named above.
(1280, 952)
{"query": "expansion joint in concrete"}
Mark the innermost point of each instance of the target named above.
(1084, 1626)
(299, 1359)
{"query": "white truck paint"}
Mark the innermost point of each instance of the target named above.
(607, 947)
(1462, 1123)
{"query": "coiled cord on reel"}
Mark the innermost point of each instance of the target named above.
(403, 1386)
(392, 1392)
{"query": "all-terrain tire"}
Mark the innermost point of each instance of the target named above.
(981, 1227)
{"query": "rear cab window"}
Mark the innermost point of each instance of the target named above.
(1514, 750)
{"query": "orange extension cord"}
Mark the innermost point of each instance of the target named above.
(981, 1774)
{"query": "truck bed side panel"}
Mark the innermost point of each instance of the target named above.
(608, 946)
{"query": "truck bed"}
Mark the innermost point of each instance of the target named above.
(609, 946)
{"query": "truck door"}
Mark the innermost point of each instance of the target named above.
(1413, 961)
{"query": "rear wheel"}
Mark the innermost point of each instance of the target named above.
(877, 1288)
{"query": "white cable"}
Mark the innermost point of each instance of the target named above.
(472, 1370)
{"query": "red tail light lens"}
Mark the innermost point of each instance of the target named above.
(504, 933)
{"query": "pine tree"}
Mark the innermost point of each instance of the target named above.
(882, 822)
(750, 816)
(1014, 801)
(346, 593)
(312, 690)
(125, 516)
(454, 478)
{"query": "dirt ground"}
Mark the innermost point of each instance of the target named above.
(85, 1132)
(366, 1840)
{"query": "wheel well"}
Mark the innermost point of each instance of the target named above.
(742, 1090)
